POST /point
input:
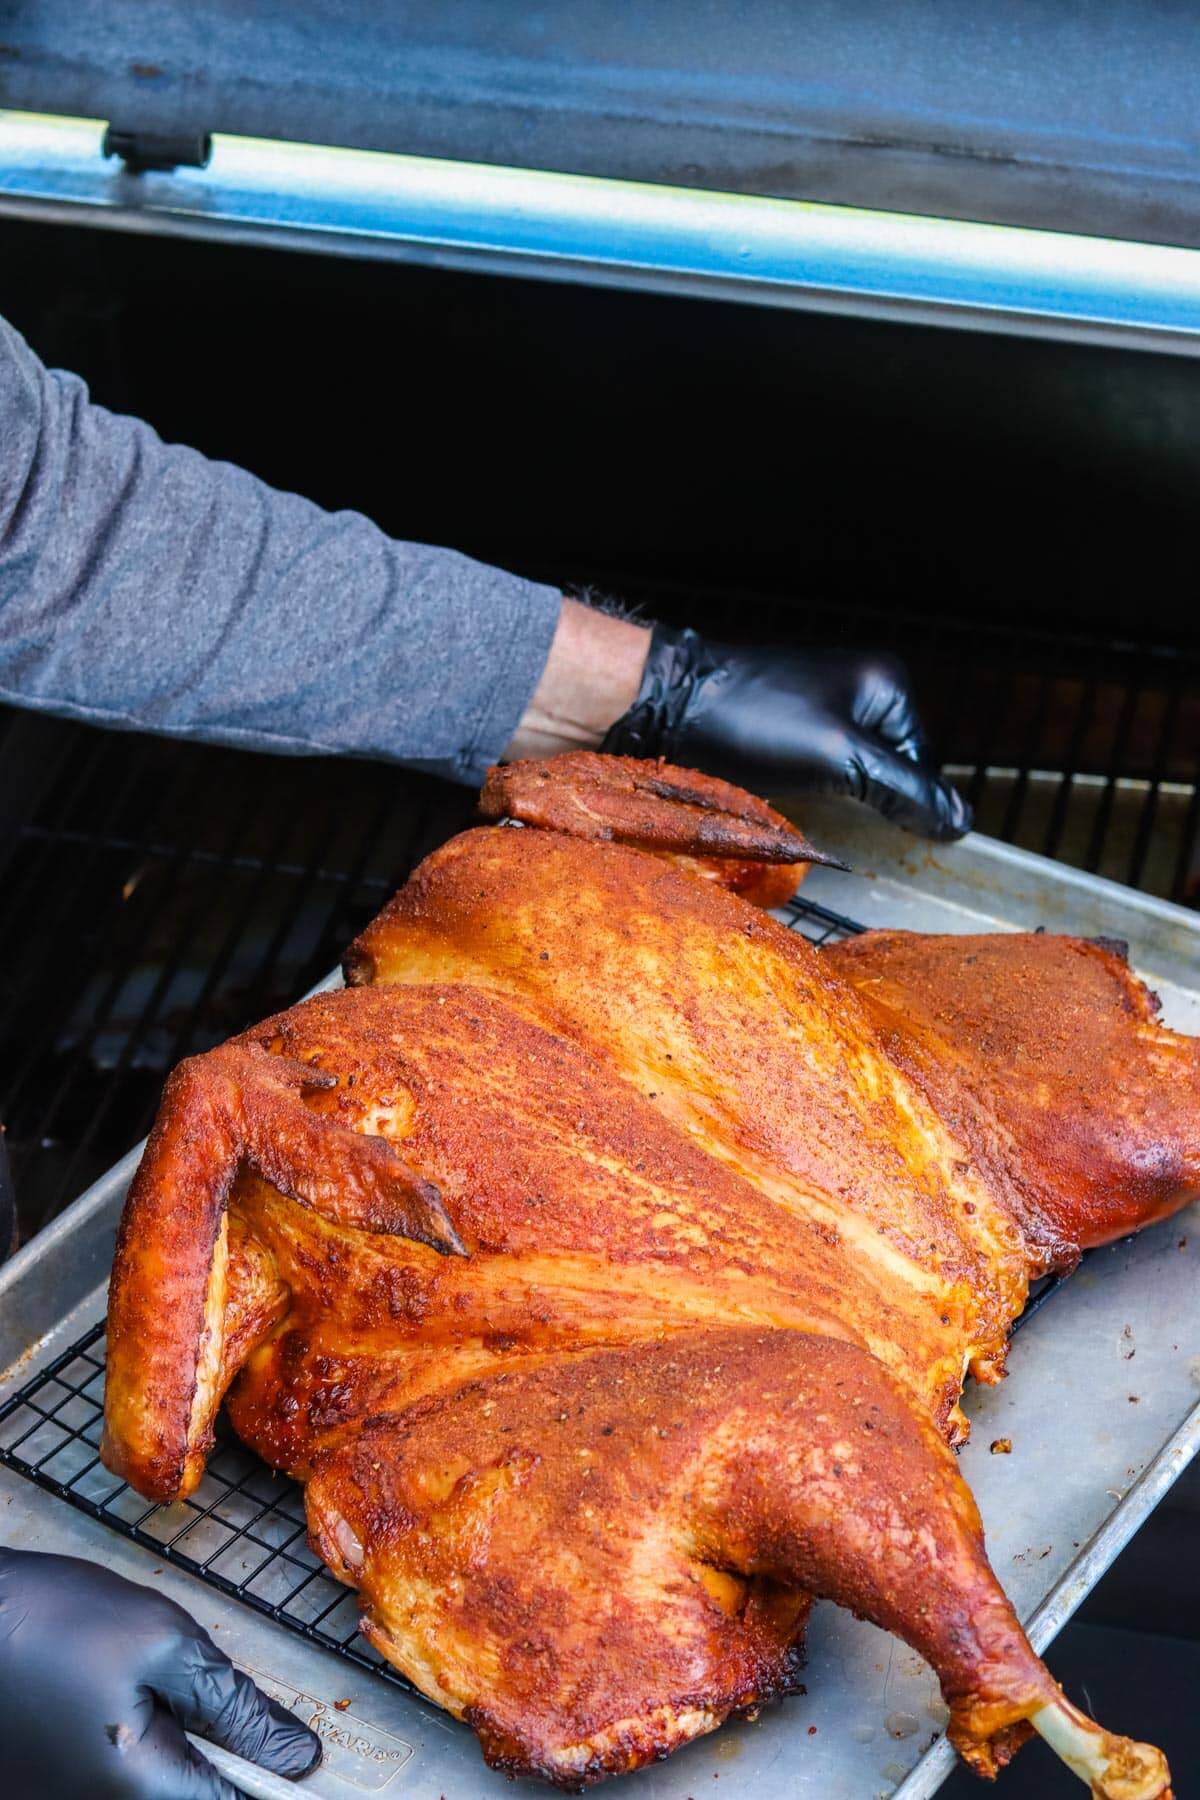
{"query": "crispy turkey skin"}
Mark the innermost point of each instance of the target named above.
(607, 1262)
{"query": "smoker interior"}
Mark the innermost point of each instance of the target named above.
(1014, 516)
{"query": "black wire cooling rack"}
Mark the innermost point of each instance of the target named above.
(243, 1530)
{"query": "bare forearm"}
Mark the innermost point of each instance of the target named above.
(591, 677)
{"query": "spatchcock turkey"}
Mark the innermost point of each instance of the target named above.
(608, 1262)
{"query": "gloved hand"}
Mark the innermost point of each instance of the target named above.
(99, 1678)
(784, 721)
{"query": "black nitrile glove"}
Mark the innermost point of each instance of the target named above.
(99, 1678)
(788, 722)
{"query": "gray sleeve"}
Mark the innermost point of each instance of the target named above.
(144, 586)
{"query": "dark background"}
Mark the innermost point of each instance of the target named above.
(644, 439)
(1017, 517)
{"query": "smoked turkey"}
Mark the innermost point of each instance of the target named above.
(607, 1262)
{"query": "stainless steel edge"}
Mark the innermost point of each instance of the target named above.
(1099, 1554)
(59, 1268)
(785, 253)
(51, 1275)
(997, 886)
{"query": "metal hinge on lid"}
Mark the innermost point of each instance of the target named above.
(141, 151)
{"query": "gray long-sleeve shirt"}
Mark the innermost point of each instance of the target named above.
(143, 585)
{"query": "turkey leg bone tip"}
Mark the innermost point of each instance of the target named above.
(1114, 1767)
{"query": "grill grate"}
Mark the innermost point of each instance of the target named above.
(158, 897)
(243, 1530)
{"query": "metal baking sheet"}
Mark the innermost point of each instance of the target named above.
(1102, 1407)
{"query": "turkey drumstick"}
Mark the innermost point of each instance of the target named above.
(604, 1556)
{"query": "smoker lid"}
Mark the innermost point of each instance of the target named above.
(1066, 114)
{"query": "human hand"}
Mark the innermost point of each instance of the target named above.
(99, 1680)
